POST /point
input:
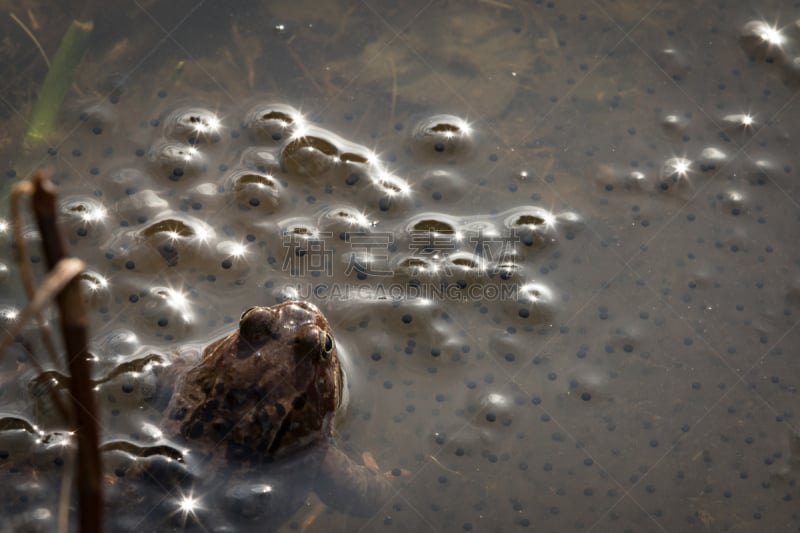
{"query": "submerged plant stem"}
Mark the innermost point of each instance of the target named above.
(57, 83)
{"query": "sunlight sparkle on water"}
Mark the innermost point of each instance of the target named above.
(178, 301)
(550, 220)
(302, 129)
(373, 158)
(57, 439)
(238, 250)
(497, 399)
(203, 234)
(358, 219)
(152, 431)
(94, 214)
(188, 505)
(96, 282)
(191, 153)
(535, 292)
(172, 235)
(233, 249)
(745, 120)
(464, 126)
(772, 35)
(212, 126)
(680, 166)
(392, 185)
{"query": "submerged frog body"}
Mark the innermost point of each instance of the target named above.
(256, 414)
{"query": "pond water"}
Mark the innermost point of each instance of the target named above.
(556, 243)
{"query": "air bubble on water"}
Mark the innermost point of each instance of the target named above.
(261, 158)
(120, 342)
(194, 125)
(745, 121)
(434, 224)
(711, 158)
(255, 189)
(206, 196)
(495, 399)
(232, 249)
(530, 217)
(270, 123)
(96, 291)
(734, 201)
(353, 154)
(531, 225)
(391, 185)
(415, 267)
(145, 202)
(537, 302)
(674, 123)
(177, 161)
(151, 431)
(466, 265)
(343, 218)
(84, 210)
(535, 293)
(311, 152)
(301, 228)
(443, 135)
(171, 301)
(713, 154)
(764, 33)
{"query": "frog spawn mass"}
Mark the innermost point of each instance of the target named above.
(199, 208)
(204, 201)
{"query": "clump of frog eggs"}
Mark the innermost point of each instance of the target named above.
(212, 205)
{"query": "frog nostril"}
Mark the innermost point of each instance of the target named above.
(299, 402)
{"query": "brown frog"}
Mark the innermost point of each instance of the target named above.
(256, 414)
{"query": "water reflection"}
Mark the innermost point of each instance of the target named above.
(623, 173)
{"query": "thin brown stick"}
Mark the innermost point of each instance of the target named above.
(52, 284)
(20, 189)
(74, 328)
(55, 281)
(63, 504)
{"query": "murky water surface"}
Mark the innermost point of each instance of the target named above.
(556, 241)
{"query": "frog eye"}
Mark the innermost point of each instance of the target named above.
(246, 312)
(327, 345)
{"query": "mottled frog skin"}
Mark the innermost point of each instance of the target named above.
(259, 405)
